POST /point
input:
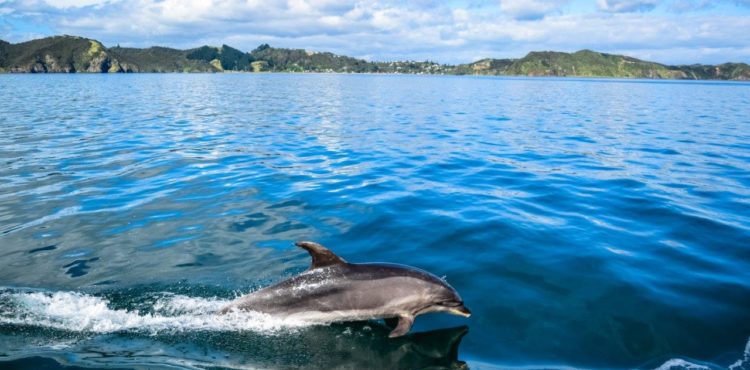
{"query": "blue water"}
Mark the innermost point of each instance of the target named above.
(586, 223)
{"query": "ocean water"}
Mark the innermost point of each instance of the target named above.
(587, 223)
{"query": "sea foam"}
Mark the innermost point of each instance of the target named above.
(79, 312)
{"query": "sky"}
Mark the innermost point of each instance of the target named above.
(449, 31)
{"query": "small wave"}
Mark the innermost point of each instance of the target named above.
(744, 362)
(79, 312)
(681, 364)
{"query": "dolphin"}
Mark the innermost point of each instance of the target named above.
(333, 290)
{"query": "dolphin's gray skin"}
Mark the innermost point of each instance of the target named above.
(334, 290)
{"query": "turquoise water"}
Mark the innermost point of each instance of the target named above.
(586, 223)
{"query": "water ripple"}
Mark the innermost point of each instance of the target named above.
(570, 214)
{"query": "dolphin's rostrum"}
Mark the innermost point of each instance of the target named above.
(334, 290)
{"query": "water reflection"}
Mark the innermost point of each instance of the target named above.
(361, 345)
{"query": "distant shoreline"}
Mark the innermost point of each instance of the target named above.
(510, 77)
(73, 54)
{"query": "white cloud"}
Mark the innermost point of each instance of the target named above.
(624, 6)
(690, 5)
(74, 3)
(530, 9)
(391, 29)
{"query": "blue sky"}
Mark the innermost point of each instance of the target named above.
(454, 31)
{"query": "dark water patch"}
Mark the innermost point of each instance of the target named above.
(582, 139)
(253, 220)
(105, 282)
(289, 203)
(285, 227)
(497, 118)
(79, 267)
(659, 151)
(205, 259)
(42, 249)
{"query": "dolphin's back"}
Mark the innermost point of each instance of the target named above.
(335, 290)
(342, 292)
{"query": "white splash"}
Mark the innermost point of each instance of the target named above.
(80, 312)
(744, 362)
(677, 363)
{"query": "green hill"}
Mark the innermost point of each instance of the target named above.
(161, 59)
(69, 54)
(726, 71)
(225, 58)
(300, 60)
(587, 63)
(485, 67)
(57, 54)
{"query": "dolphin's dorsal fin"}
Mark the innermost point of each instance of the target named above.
(321, 256)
